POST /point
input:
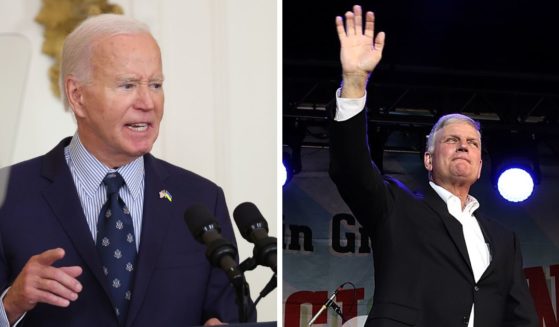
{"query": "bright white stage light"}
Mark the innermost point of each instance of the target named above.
(515, 184)
(283, 174)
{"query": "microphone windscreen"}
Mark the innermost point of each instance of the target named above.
(247, 217)
(197, 219)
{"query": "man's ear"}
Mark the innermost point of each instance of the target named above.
(479, 171)
(74, 95)
(428, 161)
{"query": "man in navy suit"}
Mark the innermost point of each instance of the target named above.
(50, 271)
(438, 262)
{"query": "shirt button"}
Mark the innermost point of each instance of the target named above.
(476, 288)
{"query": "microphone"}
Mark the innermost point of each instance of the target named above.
(220, 252)
(326, 305)
(254, 228)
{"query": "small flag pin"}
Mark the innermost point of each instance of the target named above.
(165, 194)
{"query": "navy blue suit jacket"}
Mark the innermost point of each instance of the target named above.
(174, 283)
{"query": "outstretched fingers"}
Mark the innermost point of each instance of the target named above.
(352, 25)
(370, 24)
(358, 20)
(40, 282)
(349, 23)
(379, 42)
(340, 28)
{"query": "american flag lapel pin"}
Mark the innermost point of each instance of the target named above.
(164, 194)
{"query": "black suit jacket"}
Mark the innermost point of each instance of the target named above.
(174, 283)
(423, 275)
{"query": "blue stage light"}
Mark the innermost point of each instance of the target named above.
(515, 184)
(283, 174)
(286, 170)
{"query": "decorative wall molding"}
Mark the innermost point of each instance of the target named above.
(59, 18)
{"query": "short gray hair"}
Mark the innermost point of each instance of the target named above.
(446, 120)
(77, 45)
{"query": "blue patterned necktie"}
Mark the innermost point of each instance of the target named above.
(116, 245)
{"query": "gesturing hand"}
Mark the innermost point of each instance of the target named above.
(360, 51)
(40, 282)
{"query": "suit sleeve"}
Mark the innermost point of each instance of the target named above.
(520, 310)
(3, 282)
(4, 286)
(358, 179)
(4, 271)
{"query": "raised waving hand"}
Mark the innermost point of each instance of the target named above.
(360, 50)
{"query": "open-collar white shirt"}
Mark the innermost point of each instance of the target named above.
(478, 250)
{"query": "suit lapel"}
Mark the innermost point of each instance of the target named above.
(63, 198)
(155, 221)
(489, 240)
(453, 226)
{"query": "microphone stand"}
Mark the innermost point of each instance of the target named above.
(242, 293)
(250, 264)
(219, 249)
(272, 283)
(330, 304)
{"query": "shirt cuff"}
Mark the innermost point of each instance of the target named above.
(347, 108)
(4, 322)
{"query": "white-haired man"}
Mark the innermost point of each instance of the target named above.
(92, 233)
(437, 261)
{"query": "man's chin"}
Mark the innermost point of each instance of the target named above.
(465, 180)
(139, 150)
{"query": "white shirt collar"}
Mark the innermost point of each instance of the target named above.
(91, 171)
(452, 200)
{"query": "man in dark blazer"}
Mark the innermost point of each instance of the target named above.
(50, 270)
(437, 261)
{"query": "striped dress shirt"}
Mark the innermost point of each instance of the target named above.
(88, 174)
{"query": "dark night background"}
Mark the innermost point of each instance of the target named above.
(497, 61)
(514, 37)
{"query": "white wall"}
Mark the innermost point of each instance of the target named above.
(219, 60)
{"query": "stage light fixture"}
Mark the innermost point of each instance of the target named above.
(515, 184)
(515, 166)
(287, 170)
(283, 174)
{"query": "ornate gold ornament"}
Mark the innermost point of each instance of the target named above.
(59, 18)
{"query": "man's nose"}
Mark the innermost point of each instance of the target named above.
(462, 146)
(144, 98)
